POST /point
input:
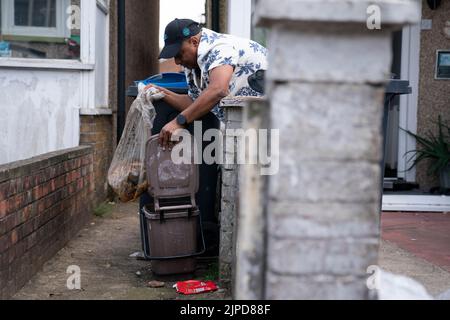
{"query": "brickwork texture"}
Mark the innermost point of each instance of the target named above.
(44, 202)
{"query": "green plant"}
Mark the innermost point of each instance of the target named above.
(103, 210)
(433, 147)
(212, 274)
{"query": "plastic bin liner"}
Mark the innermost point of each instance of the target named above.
(126, 174)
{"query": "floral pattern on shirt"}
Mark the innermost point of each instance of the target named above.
(215, 49)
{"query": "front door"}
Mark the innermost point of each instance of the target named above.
(403, 112)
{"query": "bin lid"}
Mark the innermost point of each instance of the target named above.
(167, 179)
(170, 80)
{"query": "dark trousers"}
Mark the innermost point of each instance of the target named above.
(206, 195)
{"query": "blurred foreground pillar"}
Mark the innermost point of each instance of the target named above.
(325, 84)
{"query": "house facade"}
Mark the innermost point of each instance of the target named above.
(416, 50)
(64, 66)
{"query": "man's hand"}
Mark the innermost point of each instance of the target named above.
(164, 90)
(166, 134)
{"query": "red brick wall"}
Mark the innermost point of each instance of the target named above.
(97, 132)
(44, 202)
(169, 66)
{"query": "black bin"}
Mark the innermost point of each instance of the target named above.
(206, 196)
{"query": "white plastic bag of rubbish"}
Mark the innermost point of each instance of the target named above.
(126, 173)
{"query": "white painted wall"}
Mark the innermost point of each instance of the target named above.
(41, 100)
(240, 18)
(101, 61)
(39, 112)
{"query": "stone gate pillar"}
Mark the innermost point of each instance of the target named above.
(326, 79)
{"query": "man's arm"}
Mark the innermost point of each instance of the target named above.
(218, 89)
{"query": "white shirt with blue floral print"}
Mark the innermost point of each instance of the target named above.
(216, 49)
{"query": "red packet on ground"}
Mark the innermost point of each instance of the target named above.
(195, 287)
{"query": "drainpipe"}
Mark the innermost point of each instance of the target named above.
(121, 69)
(215, 9)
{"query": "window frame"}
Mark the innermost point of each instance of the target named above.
(10, 29)
(437, 76)
(86, 61)
(85, 66)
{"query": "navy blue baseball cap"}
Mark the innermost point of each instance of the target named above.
(177, 31)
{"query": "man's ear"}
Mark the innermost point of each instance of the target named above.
(195, 42)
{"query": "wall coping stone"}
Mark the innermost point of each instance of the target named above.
(96, 112)
(28, 166)
(239, 101)
(349, 12)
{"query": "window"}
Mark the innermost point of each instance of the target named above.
(46, 18)
(40, 13)
(443, 64)
(39, 29)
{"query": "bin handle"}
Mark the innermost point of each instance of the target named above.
(182, 207)
(159, 208)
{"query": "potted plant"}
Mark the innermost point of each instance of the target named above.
(437, 149)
